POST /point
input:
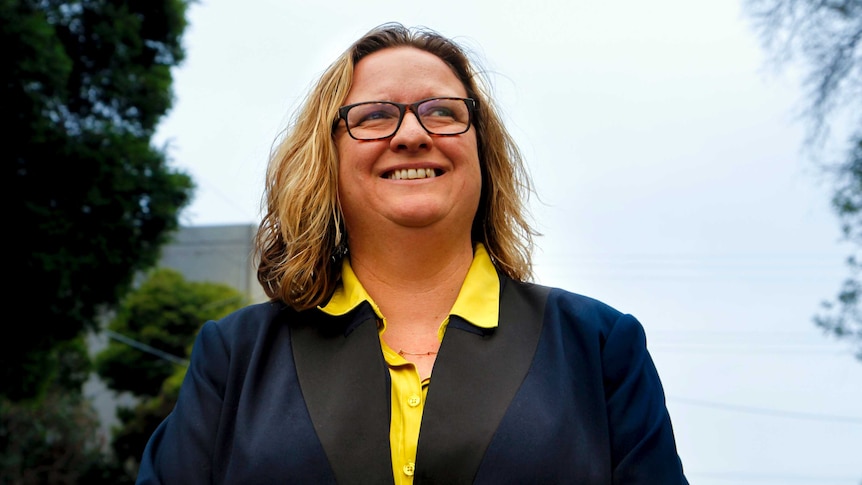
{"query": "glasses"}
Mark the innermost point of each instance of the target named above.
(376, 120)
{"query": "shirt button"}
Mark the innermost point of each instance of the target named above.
(409, 469)
(413, 401)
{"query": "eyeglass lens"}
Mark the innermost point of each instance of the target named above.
(439, 116)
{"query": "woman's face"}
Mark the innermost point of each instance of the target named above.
(371, 197)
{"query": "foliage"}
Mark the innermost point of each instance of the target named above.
(139, 423)
(164, 313)
(83, 86)
(827, 37)
(54, 441)
(162, 316)
(843, 318)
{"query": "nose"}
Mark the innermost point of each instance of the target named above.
(410, 135)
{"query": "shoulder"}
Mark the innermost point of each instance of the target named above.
(245, 326)
(251, 316)
(582, 305)
(564, 302)
(228, 348)
(582, 314)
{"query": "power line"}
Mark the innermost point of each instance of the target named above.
(685, 266)
(694, 402)
(752, 348)
(146, 348)
(768, 412)
(772, 477)
(758, 343)
(756, 257)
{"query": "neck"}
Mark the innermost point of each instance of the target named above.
(412, 278)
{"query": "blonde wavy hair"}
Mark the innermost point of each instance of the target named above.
(301, 239)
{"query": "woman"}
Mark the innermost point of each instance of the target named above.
(396, 252)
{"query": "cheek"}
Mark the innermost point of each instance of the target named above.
(341, 153)
(352, 176)
(355, 157)
(471, 158)
(462, 150)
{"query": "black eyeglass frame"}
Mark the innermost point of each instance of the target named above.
(402, 109)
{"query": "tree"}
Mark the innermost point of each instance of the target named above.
(55, 441)
(826, 35)
(84, 85)
(162, 316)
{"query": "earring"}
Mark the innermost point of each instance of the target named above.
(340, 251)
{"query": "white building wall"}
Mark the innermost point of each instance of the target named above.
(218, 254)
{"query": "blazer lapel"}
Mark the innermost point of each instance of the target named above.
(345, 383)
(475, 377)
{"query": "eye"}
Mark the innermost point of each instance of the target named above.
(437, 108)
(376, 115)
(442, 111)
(372, 113)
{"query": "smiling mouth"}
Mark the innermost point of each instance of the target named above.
(412, 174)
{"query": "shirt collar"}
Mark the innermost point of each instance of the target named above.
(478, 301)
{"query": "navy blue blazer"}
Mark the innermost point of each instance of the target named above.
(562, 391)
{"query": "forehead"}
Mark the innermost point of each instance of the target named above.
(403, 74)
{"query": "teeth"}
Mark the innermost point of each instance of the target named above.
(412, 173)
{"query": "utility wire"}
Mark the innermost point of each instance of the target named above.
(751, 350)
(146, 348)
(768, 412)
(772, 477)
(693, 402)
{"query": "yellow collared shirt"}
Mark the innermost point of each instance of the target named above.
(478, 303)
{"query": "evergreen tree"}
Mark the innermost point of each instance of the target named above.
(84, 85)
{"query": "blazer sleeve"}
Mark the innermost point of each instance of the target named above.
(642, 439)
(180, 451)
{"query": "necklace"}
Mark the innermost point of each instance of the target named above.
(403, 352)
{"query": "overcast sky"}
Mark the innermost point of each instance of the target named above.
(667, 159)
